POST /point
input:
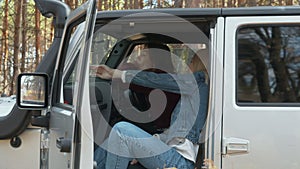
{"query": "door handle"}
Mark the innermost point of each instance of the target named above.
(233, 146)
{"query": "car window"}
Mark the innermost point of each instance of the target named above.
(268, 64)
(69, 84)
(181, 54)
(70, 64)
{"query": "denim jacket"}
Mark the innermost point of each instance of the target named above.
(189, 115)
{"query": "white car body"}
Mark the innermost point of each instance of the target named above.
(240, 133)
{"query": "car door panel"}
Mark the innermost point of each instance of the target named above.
(29, 150)
(257, 133)
(65, 130)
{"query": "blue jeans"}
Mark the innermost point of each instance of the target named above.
(126, 142)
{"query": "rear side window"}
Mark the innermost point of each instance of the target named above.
(268, 64)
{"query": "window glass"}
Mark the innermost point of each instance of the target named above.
(99, 90)
(70, 64)
(181, 54)
(185, 53)
(101, 47)
(69, 84)
(268, 64)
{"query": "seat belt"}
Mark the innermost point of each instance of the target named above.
(200, 156)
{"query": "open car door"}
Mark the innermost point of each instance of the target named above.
(56, 143)
(66, 134)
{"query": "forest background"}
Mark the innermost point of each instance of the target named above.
(26, 35)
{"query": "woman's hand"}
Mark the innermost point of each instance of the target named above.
(134, 161)
(106, 72)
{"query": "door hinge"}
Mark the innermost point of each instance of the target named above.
(44, 149)
(41, 120)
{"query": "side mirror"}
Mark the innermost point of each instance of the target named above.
(32, 91)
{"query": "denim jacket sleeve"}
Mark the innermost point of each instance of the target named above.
(182, 84)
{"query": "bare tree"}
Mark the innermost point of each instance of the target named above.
(282, 76)
(130, 4)
(273, 43)
(76, 3)
(289, 2)
(141, 4)
(158, 3)
(251, 2)
(71, 3)
(105, 5)
(125, 4)
(193, 4)
(17, 35)
(24, 35)
(229, 3)
(37, 37)
(114, 5)
(5, 45)
(99, 6)
(178, 3)
(136, 4)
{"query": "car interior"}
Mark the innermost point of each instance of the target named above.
(138, 96)
(110, 99)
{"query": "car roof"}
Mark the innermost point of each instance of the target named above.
(208, 12)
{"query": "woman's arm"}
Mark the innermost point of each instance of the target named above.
(181, 84)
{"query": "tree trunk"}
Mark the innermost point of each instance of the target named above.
(99, 5)
(283, 88)
(109, 4)
(51, 32)
(251, 2)
(158, 3)
(125, 4)
(130, 4)
(76, 3)
(5, 46)
(24, 35)
(71, 3)
(37, 37)
(119, 5)
(17, 35)
(240, 3)
(141, 4)
(262, 77)
(289, 2)
(136, 4)
(114, 5)
(105, 5)
(45, 40)
(229, 3)
(195, 4)
(178, 3)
